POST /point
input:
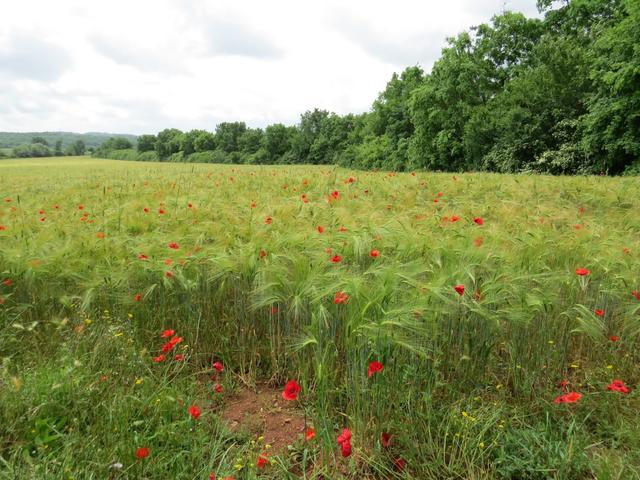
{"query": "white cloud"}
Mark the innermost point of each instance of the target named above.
(140, 66)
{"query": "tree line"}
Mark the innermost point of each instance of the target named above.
(556, 95)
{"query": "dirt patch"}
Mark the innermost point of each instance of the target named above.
(263, 412)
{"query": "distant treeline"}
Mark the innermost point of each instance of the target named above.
(49, 144)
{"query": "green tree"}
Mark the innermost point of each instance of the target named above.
(146, 143)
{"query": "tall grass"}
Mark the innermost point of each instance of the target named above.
(469, 381)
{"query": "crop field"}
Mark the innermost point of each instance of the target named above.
(191, 321)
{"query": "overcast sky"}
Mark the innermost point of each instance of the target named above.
(139, 66)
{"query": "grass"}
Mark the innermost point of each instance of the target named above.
(469, 381)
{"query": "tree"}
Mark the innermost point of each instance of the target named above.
(146, 143)
(228, 135)
(40, 140)
(168, 142)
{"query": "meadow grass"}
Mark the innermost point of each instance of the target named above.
(98, 257)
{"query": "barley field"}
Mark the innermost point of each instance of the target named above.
(395, 325)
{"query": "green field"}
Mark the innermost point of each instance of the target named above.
(311, 274)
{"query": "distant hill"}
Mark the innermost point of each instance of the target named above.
(90, 139)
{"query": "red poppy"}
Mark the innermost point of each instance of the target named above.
(80, 207)
(599, 312)
(344, 440)
(335, 194)
(268, 221)
(309, 434)
(455, 218)
(291, 390)
(142, 256)
(179, 357)
(8, 282)
(351, 180)
(168, 261)
(174, 245)
(262, 460)
(159, 358)
(274, 310)
(167, 347)
(614, 338)
(636, 294)
(194, 411)
(146, 209)
(400, 464)
(320, 229)
(374, 253)
(8, 200)
(168, 274)
(459, 289)
(2, 228)
(336, 259)
(100, 235)
(577, 227)
(563, 384)
(161, 211)
(219, 367)
(262, 254)
(583, 271)
(618, 386)
(190, 205)
(478, 241)
(571, 397)
(137, 297)
(374, 367)
(385, 439)
(167, 333)
(342, 229)
(142, 452)
(218, 388)
(341, 297)
(253, 205)
(478, 221)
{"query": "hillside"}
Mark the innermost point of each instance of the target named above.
(90, 139)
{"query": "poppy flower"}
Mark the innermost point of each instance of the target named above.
(194, 411)
(161, 211)
(478, 241)
(274, 310)
(137, 297)
(454, 218)
(374, 253)
(345, 436)
(341, 297)
(336, 259)
(342, 229)
(179, 357)
(142, 256)
(309, 434)
(145, 209)
(400, 464)
(262, 254)
(345, 449)
(8, 282)
(582, 271)
(571, 397)
(618, 386)
(159, 358)
(2, 228)
(459, 289)
(320, 229)
(599, 312)
(563, 384)
(168, 274)
(268, 221)
(174, 245)
(636, 294)
(167, 333)
(253, 205)
(190, 205)
(344, 440)
(351, 180)
(168, 261)
(478, 221)
(291, 390)
(385, 439)
(218, 388)
(219, 367)
(262, 460)
(374, 367)
(142, 452)
(80, 207)
(335, 194)
(614, 338)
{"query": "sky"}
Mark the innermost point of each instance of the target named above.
(139, 66)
